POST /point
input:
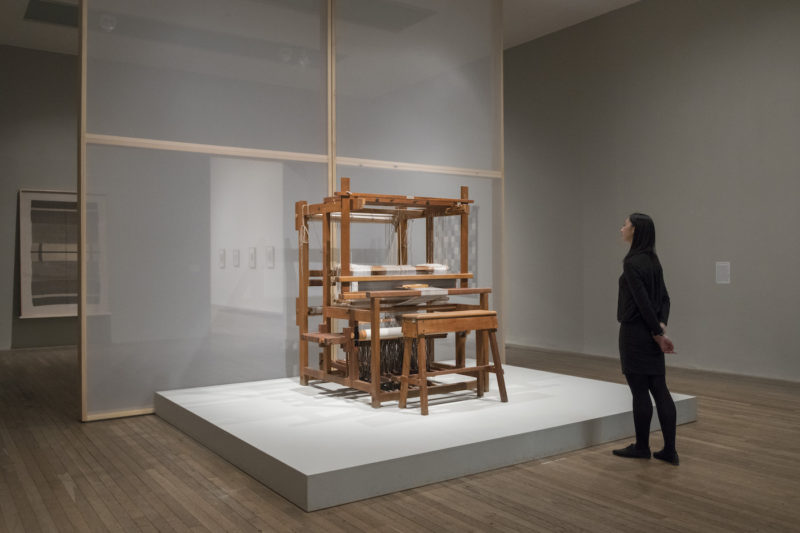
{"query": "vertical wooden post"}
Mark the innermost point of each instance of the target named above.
(464, 238)
(428, 238)
(498, 367)
(482, 345)
(402, 238)
(461, 349)
(351, 354)
(326, 277)
(344, 243)
(326, 259)
(406, 370)
(81, 189)
(423, 380)
(375, 361)
(344, 249)
(302, 300)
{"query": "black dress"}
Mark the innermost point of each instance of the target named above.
(643, 303)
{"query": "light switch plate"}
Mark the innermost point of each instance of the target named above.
(252, 258)
(236, 258)
(723, 272)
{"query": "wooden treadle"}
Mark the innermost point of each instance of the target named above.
(326, 339)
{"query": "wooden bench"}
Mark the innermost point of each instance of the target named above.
(418, 326)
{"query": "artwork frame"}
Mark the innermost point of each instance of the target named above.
(49, 254)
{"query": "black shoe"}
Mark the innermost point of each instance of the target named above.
(633, 451)
(670, 457)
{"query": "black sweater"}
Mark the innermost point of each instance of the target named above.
(642, 292)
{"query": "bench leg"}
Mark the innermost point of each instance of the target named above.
(406, 370)
(461, 349)
(498, 367)
(351, 354)
(483, 344)
(480, 359)
(423, 381)
(485, 361)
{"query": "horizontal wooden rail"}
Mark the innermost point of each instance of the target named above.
(400, 198)
(401, 293)
(471, 313)
(408, 277)
(176, 146)
(418, 167)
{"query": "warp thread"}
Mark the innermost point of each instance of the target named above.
(391, 360)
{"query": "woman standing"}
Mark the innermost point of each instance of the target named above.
(643, 310)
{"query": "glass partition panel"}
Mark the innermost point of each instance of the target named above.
(418, 81)
(197, 267)
(225, 72)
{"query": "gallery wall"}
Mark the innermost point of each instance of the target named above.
(38, 150)
(690, 112)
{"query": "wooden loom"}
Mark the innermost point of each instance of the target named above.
(363, 299)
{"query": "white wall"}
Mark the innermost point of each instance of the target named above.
(688, 111)
(544, 252)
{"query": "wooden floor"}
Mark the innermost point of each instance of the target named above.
(740, 469)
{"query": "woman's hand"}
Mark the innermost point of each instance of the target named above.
(664, 343)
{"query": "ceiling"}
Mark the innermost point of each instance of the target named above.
(523, 20)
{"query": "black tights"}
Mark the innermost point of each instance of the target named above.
(641, 386)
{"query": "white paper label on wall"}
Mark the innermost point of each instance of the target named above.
(270, 257)
(723, 272)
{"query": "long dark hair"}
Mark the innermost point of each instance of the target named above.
(644, 235)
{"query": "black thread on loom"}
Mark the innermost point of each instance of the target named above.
(391, 360)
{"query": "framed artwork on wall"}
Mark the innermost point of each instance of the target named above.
(49, 226)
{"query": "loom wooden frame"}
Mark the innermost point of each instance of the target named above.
(345, 204)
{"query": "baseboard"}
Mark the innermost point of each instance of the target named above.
(556, 352)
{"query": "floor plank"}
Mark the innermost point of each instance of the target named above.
(740, 469)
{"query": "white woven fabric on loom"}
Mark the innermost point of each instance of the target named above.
(394, 270)
(358, 269)
(437, 268)
(432, 291)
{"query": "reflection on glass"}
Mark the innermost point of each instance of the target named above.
(177, 315)
(247, 214)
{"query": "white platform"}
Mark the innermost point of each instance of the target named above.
(323, 445)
